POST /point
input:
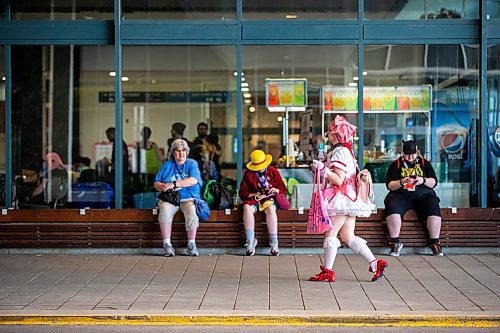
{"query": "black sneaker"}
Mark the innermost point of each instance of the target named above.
(436, 249)
(395, 249)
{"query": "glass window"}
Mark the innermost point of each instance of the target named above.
(328, 65)
(493, 8)
(62, 10)
(60, 153)
(2, 122)
(312, 9)
(493, 119)
(427, 93)
(190, 85)
(421, 9)
(180, 10)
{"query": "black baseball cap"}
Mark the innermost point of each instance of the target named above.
(409, 147)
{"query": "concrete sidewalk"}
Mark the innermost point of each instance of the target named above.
(454, 290)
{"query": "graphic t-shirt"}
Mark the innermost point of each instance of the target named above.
(400, 169)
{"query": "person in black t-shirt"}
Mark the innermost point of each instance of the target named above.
(411, 180)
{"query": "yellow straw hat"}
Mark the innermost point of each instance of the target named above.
(259, 160)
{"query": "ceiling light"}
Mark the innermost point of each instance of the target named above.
(153, 81)
(112, 73)
(243, 79)
(245, 89)
(355, 78)
(280, 118)
(125, 78)
(244, 84)
(291, 16)
(3, 78)
(247, 95)
(353, 84)
(235, 73)
(365, 73)
(251, 109)
(248, 101)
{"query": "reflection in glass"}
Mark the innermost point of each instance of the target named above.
(62, 10)
(493, 8)
(60, 153)
(179, 10)
(443, 130)
(493, 119)
(291, 10)
(320, 65)
(422, 9)
(178, 88)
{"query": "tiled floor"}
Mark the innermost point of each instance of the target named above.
(129, 283)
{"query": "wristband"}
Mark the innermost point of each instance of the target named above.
(424, 180)
(175, 184)
(401, 183)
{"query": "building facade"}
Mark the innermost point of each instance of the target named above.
(399, 70)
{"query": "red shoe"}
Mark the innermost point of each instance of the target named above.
(381, 266)
(325, 274)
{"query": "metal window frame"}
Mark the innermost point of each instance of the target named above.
(239, 32)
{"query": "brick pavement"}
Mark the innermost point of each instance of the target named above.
(458, 285)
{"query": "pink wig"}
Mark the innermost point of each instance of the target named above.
(344, 130)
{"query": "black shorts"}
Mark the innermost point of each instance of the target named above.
(425, 203)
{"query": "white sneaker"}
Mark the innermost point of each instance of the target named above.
(250, 247)
(191, 250)
(274, 250)
(168, 250)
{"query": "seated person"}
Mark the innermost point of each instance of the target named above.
(410, 180)
(53, 186)
(179, 173)
(259, 186)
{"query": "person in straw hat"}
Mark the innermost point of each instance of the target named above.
(344, 204)
(259, 187)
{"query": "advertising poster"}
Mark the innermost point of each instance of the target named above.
(286, 93)
(377, 99)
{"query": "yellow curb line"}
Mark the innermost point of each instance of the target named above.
(347, 321)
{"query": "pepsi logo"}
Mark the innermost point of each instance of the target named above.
(452, 142)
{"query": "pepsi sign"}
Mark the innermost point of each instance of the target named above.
(453, 142)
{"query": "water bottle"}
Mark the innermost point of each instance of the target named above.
(321, 152)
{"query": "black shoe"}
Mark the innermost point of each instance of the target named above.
(436, 249)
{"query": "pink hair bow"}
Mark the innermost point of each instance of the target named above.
(344, 130)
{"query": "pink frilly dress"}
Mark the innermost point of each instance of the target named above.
(343, 200)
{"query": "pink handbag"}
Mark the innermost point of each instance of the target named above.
(318, 220)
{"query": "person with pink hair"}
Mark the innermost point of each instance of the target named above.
(344, 204)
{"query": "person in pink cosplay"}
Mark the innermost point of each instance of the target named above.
(344, 205)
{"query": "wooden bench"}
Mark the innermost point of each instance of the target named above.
(138, 228)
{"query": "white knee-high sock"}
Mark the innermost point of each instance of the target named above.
(359, 245)
(330, 246)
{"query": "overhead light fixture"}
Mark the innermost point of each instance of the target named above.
(291, 16)
(355, 78)
(3, 78)
(251, 109)
(247, 95)
(245, 89)
(153, 81)
(235, 73)
(279, 118)
(112, 74)
(248, 101)
(365, 73)
(243, 79)
(353, 84)
(125, 78)
(244, 84)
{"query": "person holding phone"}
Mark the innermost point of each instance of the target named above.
(259, 188)
(411, 180)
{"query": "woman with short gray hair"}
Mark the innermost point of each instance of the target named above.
(179, 173)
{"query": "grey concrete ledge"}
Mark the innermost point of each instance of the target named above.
(241, 251)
